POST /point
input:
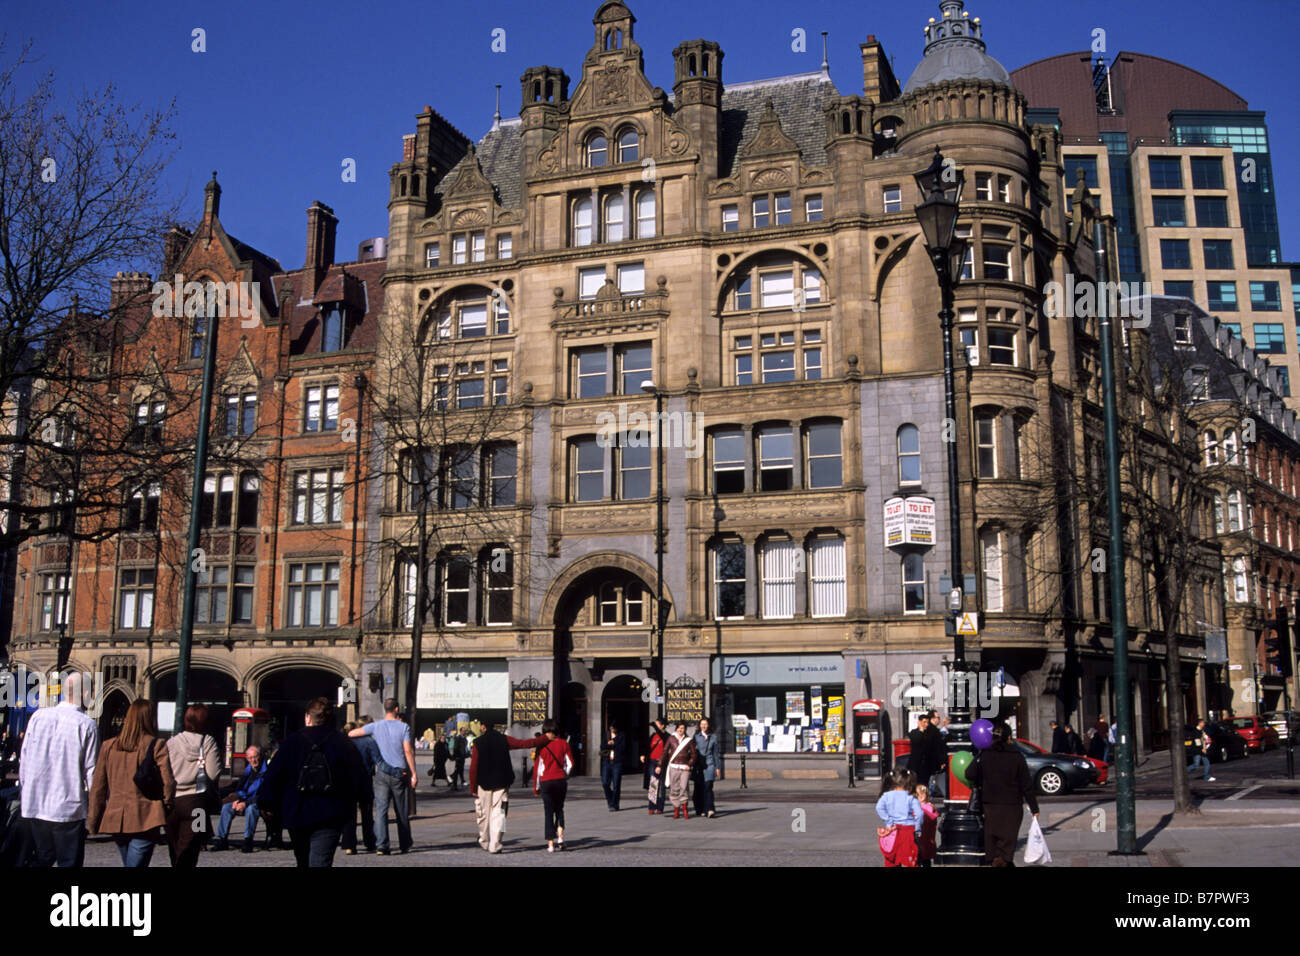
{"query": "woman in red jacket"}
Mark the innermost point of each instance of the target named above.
(551, 770)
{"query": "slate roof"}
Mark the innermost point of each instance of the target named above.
(800, 102)
(500, 155)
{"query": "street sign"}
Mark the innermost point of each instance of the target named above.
(968, 625)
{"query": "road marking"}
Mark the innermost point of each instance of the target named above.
(1241, 793)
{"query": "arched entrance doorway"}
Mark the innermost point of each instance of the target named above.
(573, 722)
(214, 688)
(622, 706)
(112, 713)
(284, 694)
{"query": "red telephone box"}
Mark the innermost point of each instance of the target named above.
(870, 739)
(252, 728)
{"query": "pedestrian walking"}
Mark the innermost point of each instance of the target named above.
(708, 768)
(1073, 742)
(612, 753)
(1060, 742)
(551, 768)
(925, 842)
(919, 760)
(440, 755)
(1198, 741)
(55, 773)
(314, 784)
(394, 767)
(369, 752)
(243, 800)
(1003, 776)
(937, 749)
(1110, 744)
(1096, 744)
(490, 776)
(196, 765)
(458, 748)
(118, 805)
(655, 781)
(901, 815)
(680, 757)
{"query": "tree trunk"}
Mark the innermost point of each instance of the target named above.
(1177, 721)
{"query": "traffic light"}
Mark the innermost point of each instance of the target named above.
(1278, 644)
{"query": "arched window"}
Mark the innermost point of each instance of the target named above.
(629, 146)
(778, 562)
(991, 549)
(614, 219)
(1230, 448)
(456, 575)
(597, 151)
(645, 214)
(827, 580)
(583, 233)
(404, 583)
(728, 567)
(498, 581)
(909, 455)
(913, 584)
(1211, 448)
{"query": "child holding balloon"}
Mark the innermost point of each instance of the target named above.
(902, 816)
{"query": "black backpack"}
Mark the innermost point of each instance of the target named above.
(315, 778)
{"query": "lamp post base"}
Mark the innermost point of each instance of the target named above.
(962, 838)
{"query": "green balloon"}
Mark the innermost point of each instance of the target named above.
(959, 762)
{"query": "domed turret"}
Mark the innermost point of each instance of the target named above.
(954, 50)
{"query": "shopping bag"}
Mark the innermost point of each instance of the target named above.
(1036, 851)
(653, 794)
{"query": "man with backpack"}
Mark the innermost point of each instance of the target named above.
(396, 759)
(314, 784)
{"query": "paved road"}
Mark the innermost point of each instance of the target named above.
(788, 828)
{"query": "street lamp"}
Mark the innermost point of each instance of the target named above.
(940, 186)
(648, 386)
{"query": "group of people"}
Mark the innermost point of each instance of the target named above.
(453, 749)
(908, 819)
(675, 761)
(1101, 740)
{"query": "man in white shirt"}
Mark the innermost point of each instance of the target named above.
(58, 765)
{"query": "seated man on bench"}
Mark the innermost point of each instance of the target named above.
(243, 800)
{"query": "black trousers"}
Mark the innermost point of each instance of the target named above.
(367, 811)
(1001, 827)
(553, 793)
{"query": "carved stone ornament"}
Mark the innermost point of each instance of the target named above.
(612, 87)
(548, 160)
(678, 139)
(470, 217)
(470, 181)
(771, 177)
(770, 140)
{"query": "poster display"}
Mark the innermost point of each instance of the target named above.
(833, 736)
(794, 705)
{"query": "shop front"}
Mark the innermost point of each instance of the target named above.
(784, 711)
(462, 692)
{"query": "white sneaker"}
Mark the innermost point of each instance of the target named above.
(1211, 779)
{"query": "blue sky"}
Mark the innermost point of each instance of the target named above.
(287, 90)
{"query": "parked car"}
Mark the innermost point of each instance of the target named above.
(1225, 743)
(1256, 731)
(1103, 768)
(1277, 720)
(1056, 773)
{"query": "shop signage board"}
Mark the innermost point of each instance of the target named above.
(684, 700)
(895, 522)
(528, 701)
(463, 685)
(775, 669)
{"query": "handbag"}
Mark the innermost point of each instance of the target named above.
(886, 836)
(148, 778)
(201, 781)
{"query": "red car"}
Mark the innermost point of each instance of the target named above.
(1103, 768)
(1259, 734)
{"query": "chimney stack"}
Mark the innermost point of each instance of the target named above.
(322, 226)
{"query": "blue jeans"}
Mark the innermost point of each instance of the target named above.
(135, 850)
(62, 843)
(314, 846)
(394, 789)
(1197, 761)
(228, 816)
(611, 778)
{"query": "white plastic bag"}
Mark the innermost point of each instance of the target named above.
(1036, 851)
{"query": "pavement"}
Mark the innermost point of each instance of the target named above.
(787, 823)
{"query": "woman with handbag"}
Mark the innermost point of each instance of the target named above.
(133, 783)
(552, 765)
(196, 764)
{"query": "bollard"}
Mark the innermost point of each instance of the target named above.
(852, 784)
(744, 785)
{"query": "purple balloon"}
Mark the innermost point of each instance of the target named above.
(981, 734)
